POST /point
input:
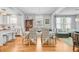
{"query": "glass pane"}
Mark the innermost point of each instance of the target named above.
(13, 20)
(68, 26)
(68, 20)
(58, 26)
(64, 20)
(58, 20)
(8, 19)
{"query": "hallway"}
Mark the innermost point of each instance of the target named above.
(18, 46)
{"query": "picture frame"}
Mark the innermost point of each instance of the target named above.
(46, 21)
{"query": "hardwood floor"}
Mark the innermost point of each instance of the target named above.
(18, 46)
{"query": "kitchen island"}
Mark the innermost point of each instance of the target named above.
(5, 36)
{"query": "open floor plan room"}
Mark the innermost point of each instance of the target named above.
(39, 29)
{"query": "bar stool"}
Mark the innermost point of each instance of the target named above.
(5, 38)
(13, 36)
(1, 41)
(9, 36)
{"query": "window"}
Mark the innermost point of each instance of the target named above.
(77, 23)
(1, 19)
(11, 19)
(8, 19)
(68, 23)
(63, 24)
(58, 23)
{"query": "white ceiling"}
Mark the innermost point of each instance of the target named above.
(37, 10)
(50, 10)
(10, 10)
(6, 10)
(42, 10)
(69, 11)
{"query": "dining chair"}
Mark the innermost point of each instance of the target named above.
(45, 37)
(25, 37)
(5, 38)
(32, 37)
(75, 38)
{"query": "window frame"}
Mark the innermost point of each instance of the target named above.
(64, 24)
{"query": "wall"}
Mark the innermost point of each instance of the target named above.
(53, 23)
(39, 18)
(1, 19)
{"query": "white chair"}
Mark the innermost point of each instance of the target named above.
(45, 36)
(25, 37)
(2, 40)
(33, 36)
(13, 35)
(5, 38)
(9, 36)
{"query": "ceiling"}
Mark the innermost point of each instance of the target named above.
(42, 10)
(38, 10)
(69, 11)
(50, 10)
